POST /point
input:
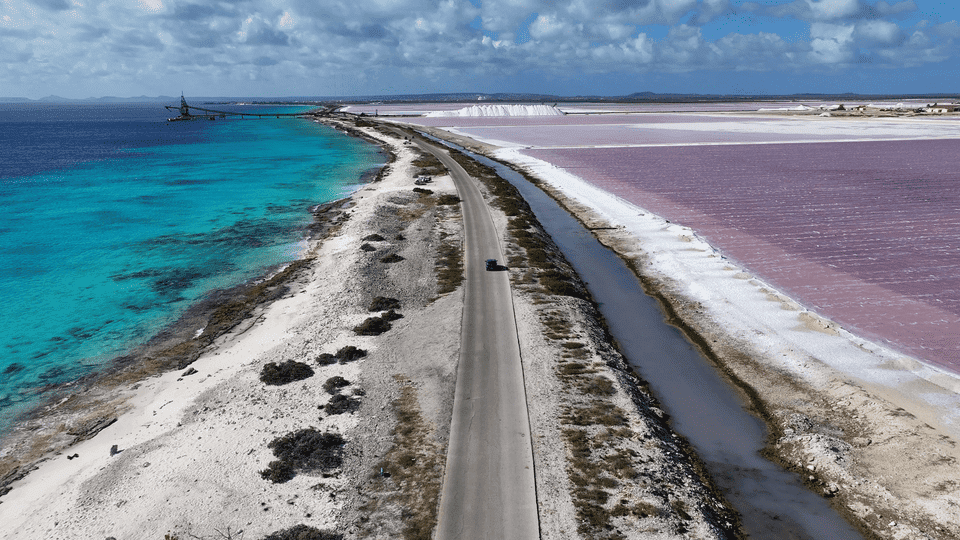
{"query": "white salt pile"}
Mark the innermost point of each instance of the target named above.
(502, 110)
(797, 108)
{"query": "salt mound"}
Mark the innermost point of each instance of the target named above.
(502, 110)
(785, 109)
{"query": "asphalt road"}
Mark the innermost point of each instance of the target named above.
(489, 491)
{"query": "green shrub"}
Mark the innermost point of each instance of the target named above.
(537, 257)
(448, 199)
(303, 532)
(326, 359)
(286, 372)
(304, 450)
(373, 326)
(349, 354)
(373, 238)
(340, 404)
(334, 384)
(392, 258)
(561, 287)
(382, 303)
(391, 316)
(278, 472)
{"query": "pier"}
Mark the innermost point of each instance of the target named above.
(211, 114)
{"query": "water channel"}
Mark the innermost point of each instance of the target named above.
(703, 407)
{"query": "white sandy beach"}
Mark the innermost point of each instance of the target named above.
(191, 447)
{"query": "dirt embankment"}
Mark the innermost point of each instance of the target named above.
(880, 460)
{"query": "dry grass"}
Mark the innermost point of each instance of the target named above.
(536, 250)
(449, 266)
(416, 210)
(592, 426)
(413, 471)
(429, 165)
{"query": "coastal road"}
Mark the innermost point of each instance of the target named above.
(489, 489)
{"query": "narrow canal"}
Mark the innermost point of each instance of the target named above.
(703, 407)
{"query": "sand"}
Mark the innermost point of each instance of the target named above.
(191, 448)
(185, 455)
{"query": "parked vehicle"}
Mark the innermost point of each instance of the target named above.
(492, 265)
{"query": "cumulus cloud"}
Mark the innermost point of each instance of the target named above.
(344, 46)
(878, 32)
(834, 10)
(831, 43)
(949, 30)
(55, 5)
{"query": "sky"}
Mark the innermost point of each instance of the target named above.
(276, 48)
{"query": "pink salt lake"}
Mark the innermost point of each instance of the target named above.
(865, 233)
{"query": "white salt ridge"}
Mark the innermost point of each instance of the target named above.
(797, 108)
(501, 110)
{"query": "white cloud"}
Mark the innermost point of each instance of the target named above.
(948, 29)
(830, 43)
(878, 32)
(906, 6)
(827, 10)
(549, 27)
(833, 10)
(152, 6)
(309, 43)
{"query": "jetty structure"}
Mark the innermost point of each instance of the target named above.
(211, 114)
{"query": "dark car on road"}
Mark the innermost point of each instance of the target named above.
(492, 265)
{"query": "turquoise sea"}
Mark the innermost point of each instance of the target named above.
(115, 221)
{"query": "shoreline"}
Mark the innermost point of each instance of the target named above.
(173, 348)
(94, 401)
(118, 394)
(187, 455)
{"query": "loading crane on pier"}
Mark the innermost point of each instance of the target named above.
(211, 114)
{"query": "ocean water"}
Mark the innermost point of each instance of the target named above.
(115, 221)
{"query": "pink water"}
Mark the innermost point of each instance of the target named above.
(685, 107)
(569, 120)
(418, 108)
(865, 233)
(619, 135)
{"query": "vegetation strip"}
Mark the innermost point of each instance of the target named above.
(411, 472)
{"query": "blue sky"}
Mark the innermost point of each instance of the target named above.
(90, 48)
